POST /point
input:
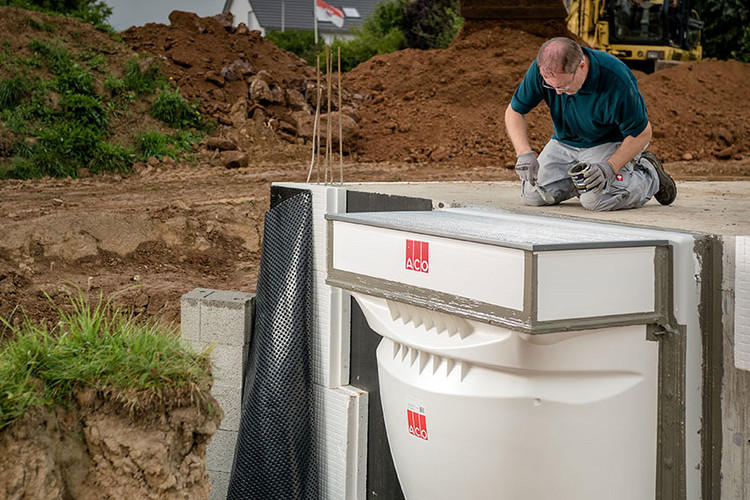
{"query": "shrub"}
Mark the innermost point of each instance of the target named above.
(152, 144)
(367, 45)
(94, 12)
(75, 80)
(431, 24)
(381, 33)
(85, 110)
(174, 110)
(63, 147)
(143, 75)
(112, 158)
(13, 91)
(299, 42)
(19, 168)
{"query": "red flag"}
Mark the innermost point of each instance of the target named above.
(325, 12)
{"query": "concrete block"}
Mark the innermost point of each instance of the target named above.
(220, 451)
(227, 364)
(190, 313)
(222, 320)
(226, 317)
(230, 399)
(219, 484)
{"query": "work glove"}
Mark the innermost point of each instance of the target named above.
(527, 167)
(598, 175)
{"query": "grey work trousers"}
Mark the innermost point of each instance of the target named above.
(632, 187)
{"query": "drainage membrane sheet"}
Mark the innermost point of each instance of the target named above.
(275, 454)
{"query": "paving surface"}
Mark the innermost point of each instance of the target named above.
(721, 208)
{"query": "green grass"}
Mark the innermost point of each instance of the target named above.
(94, 346)
(68, 124)
(143, 75)
(174, 110)
(13, 91)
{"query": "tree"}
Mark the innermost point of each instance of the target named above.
(430, 24)
(726, 33)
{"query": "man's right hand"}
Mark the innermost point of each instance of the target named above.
(527, 167)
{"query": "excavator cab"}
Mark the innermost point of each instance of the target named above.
(646, 34)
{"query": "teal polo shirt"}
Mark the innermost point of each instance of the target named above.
(608, 108)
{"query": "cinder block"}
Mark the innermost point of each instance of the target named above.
(190, 313)
(230, 400)
(225, 317)
(227, 364)
(222, 320)
(220, 451)
(219, 484)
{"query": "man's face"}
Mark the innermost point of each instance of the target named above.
(563, 83)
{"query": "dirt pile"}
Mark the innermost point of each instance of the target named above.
(448, 105)
(99, 450)
(245, 82)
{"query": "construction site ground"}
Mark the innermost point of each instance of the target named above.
(418, 116)
(421, 116)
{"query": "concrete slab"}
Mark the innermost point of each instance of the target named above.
(721, 208)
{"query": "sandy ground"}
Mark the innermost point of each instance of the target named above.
(154, 236)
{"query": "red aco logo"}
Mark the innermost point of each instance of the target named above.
(418, 256)
(417, 422)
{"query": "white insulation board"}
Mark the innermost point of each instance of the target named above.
(330, 305)
(341, 425)
(742, 303)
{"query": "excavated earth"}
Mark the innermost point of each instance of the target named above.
(170, 227)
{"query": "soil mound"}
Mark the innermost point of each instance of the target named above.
(448, 105)
(101, 449)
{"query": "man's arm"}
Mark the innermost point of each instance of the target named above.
(515, 125)
(631, 146)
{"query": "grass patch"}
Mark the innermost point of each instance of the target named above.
(159, 145)
(39, 26)
(13, 91)
(95, 346)
(143, 75)
(174, 110)
(51, 99)
(112, 158)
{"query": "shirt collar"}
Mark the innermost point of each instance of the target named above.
(592, 78)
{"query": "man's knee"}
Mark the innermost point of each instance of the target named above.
(531, 196)
(596, 201)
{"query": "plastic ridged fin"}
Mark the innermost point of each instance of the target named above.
(424, 358)
(393, 308)
(437, 362)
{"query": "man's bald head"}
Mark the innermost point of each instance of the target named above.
(559, 55)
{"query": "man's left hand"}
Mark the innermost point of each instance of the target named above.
(598, 175)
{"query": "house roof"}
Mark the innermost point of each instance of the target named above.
(299, 14)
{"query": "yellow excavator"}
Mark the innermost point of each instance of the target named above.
(646, 34)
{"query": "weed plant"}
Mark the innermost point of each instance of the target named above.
(94, 346)
(174, 110)
(112, 158)
(69, 121)
(143, 76)
(153, 143)
(13, 91)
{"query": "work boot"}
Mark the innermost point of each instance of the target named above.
(667, 188)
